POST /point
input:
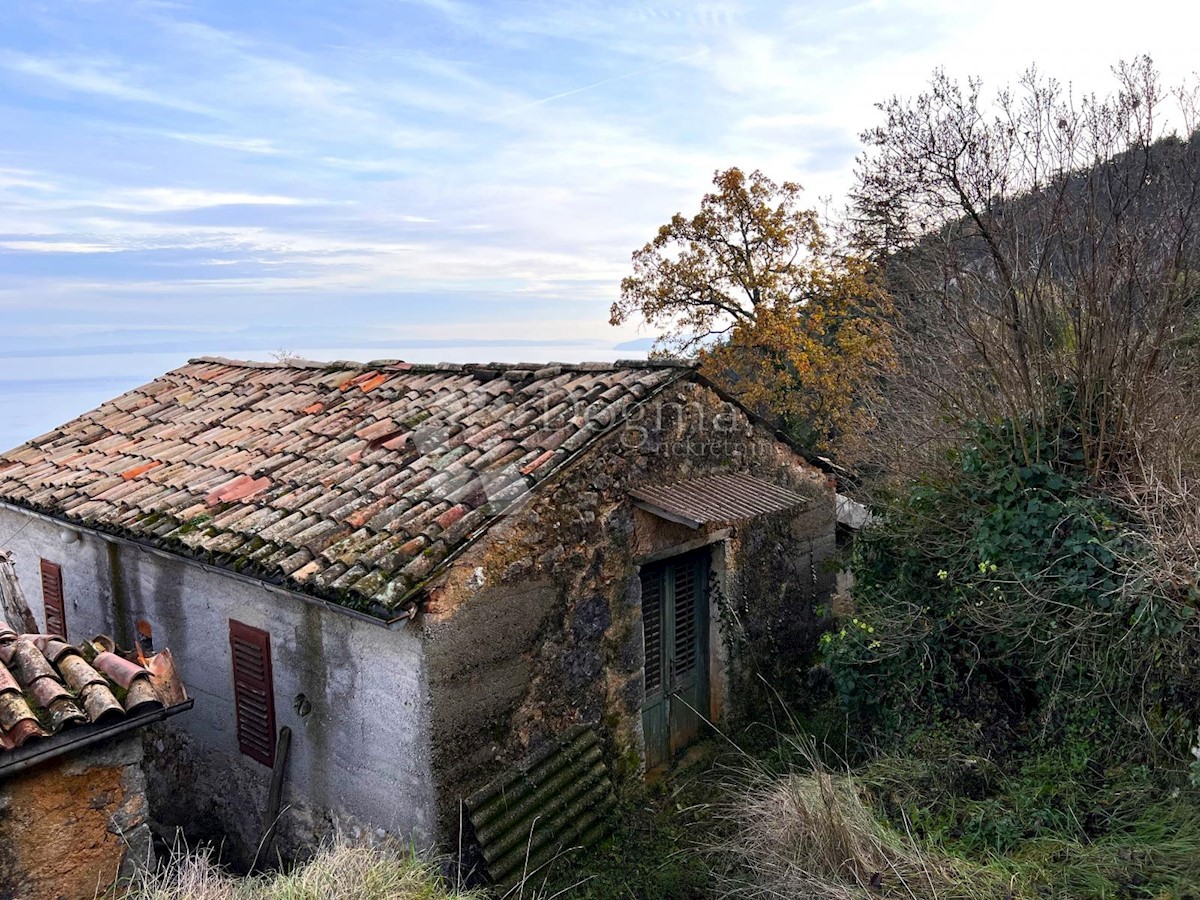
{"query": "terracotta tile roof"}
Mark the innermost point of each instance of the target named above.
(48, 687)
(349, 481)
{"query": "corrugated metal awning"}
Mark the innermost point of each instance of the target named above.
(715, 498)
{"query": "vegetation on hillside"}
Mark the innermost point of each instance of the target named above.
(1021, 684)
(1005, 588)
(1010, 707)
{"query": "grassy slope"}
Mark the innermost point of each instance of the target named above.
(934, 822)
(777, 824)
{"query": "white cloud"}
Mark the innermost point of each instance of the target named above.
(92, 76)
(152, 200)
(67, 200)
(57, 247)
(26, 178)
(226, 142)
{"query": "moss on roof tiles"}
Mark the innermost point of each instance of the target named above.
(293, 425)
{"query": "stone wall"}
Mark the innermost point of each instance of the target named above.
(539, 626)
(72, 825)
(353, 693)
(785, 585)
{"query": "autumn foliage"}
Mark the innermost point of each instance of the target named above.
(753, 287)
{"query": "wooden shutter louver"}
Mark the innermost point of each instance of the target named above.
(685, 616)
(253, 691)
(52, 598)
(652, 627)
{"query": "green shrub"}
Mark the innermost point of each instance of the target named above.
(1011, 596)
(1058, 822)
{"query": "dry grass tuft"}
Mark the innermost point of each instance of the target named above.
(811, 835)
(337, 872)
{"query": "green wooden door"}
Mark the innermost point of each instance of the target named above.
(675, 628)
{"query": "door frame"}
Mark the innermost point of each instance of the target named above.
(660, 749)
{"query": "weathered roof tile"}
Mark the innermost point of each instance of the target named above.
(48, 686)
(352, 481)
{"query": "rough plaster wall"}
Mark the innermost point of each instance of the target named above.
(539, 626)
(360, 750)
(783, 584)
(71, 826)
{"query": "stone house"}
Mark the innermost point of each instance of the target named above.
(425, 572)
(73, 805)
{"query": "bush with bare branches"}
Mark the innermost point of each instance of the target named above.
(1040, 247)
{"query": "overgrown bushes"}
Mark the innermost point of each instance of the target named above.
(1007, 591)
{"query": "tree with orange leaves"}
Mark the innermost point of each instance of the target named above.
(752, 286)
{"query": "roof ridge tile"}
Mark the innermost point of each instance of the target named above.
(500, 368)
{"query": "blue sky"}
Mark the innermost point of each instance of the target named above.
(425, 179)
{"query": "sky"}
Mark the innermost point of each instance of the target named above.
(429, 179)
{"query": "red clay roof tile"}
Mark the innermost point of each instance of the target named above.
(141, 470)
(533, 466)
(120, 670)
(241, 488)
(300, 456)
(356, 380)
(365, 514)
(45, 691)
(371, 383)
(450, 516)
(305, 572)
(53, 687)
(18, 724)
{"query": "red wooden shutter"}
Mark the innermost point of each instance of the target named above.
(52, 599)
(253, 691)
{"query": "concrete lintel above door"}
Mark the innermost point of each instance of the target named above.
(713, 537)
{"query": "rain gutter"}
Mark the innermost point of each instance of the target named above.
(39, 751)
(147, 547)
